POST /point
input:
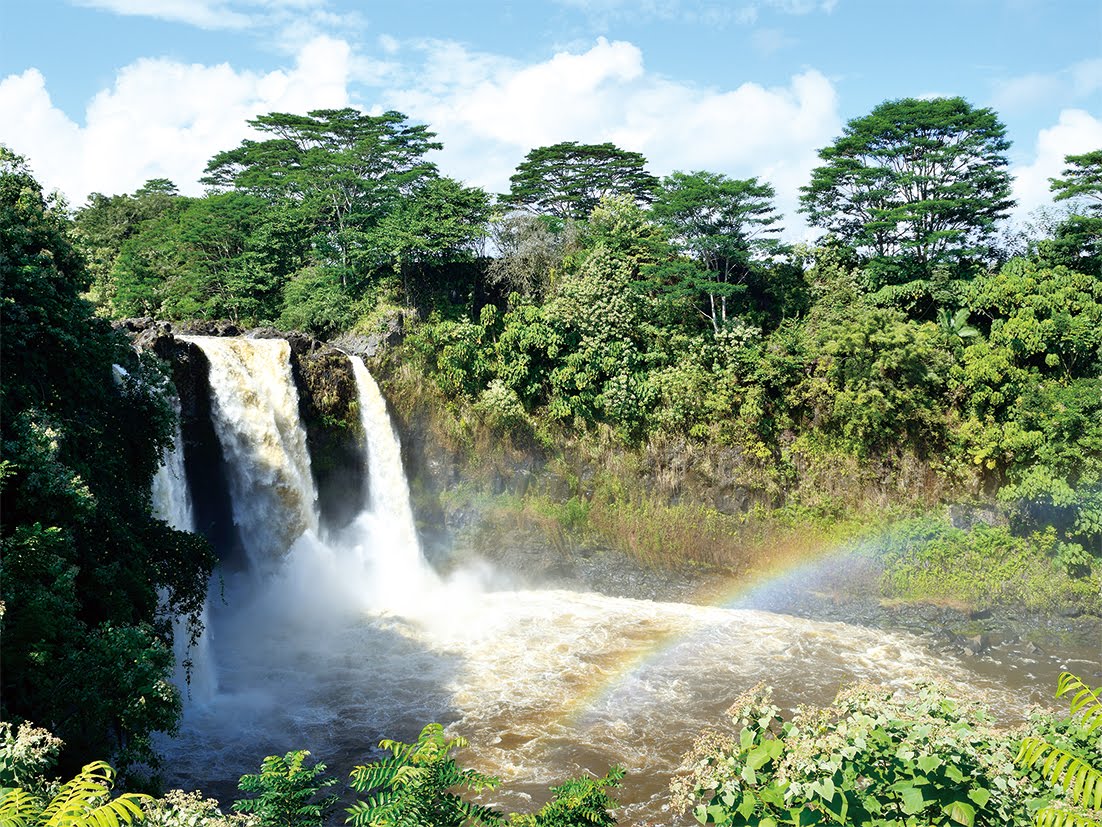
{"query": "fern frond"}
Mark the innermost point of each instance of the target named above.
(18, 808)
(80, 794)
(1052, 817)
(1080, 780)
(1085, 701)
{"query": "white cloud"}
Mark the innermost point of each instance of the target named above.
(161, 118)
(489, 112)
(706, 12)
(1079, 81)
(289, 24)
(1075, 133)
(206, 14)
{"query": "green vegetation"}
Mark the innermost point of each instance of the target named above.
(84, 800)
(872, 758)
(1078, 775)
(568, 180)
(913, 185)
(287, 792)
(985, 567)
(414, 786)
(877, 757)
(90, 581)
(680, 384)
(419, 785)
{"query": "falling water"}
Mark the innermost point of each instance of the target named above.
(195, 673)
(386, 523)
(171, 496)
(255, 410)
(346, 639)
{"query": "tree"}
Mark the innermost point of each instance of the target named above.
(342, 169)
(1082, 179)
(531, 249)
(913, 184)
(876, 381)
(104, 224)
(722, 223)
(288, 792)
(568, 179)
(440, 222)
(413, 787)
(1077, 241)
(86, 634)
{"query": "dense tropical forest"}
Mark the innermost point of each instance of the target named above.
(921, 353)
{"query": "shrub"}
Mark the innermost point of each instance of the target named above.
(873, 757)
(288, 792)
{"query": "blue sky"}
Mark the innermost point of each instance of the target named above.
(101, 95)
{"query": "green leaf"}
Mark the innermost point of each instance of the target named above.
(913, 800)
(926, 763)
(980, 796)
(961, 812)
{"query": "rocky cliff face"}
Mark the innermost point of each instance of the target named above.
(327, 406)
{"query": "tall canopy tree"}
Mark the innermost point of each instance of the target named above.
(86, 645)
(913, 184)
(1082, 179)
(1077, 240)
(722, 223)
(105, 223)
(343, 169)
(441, 222)
(568, 179)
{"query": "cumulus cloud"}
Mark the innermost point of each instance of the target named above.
(709, 12)
(1075, 133)
(1079, 81)
(161, 118)
(490, 112)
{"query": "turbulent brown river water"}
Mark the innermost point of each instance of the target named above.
(347, 638)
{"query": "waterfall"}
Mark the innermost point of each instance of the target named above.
(254, 406)
(331, 642)
(375, 562)
(171, 496)
(388, 490)
(172, 503)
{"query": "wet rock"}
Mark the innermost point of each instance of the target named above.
(967, 515)
(978, 644)
(370, 345)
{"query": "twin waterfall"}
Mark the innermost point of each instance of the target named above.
(255, 414)
(330, 640)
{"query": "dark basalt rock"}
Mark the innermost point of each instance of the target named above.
(327, 407)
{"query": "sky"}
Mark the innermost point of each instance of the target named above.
(102, 95)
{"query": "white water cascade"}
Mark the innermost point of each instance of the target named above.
(255, 411)
(343, 640)
(171, 496)
(384, 533)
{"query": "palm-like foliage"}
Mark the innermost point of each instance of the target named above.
(1080, 780)
(287, 792)
(81, 802)
(956, 325)
(580, 802)
(413, 787)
